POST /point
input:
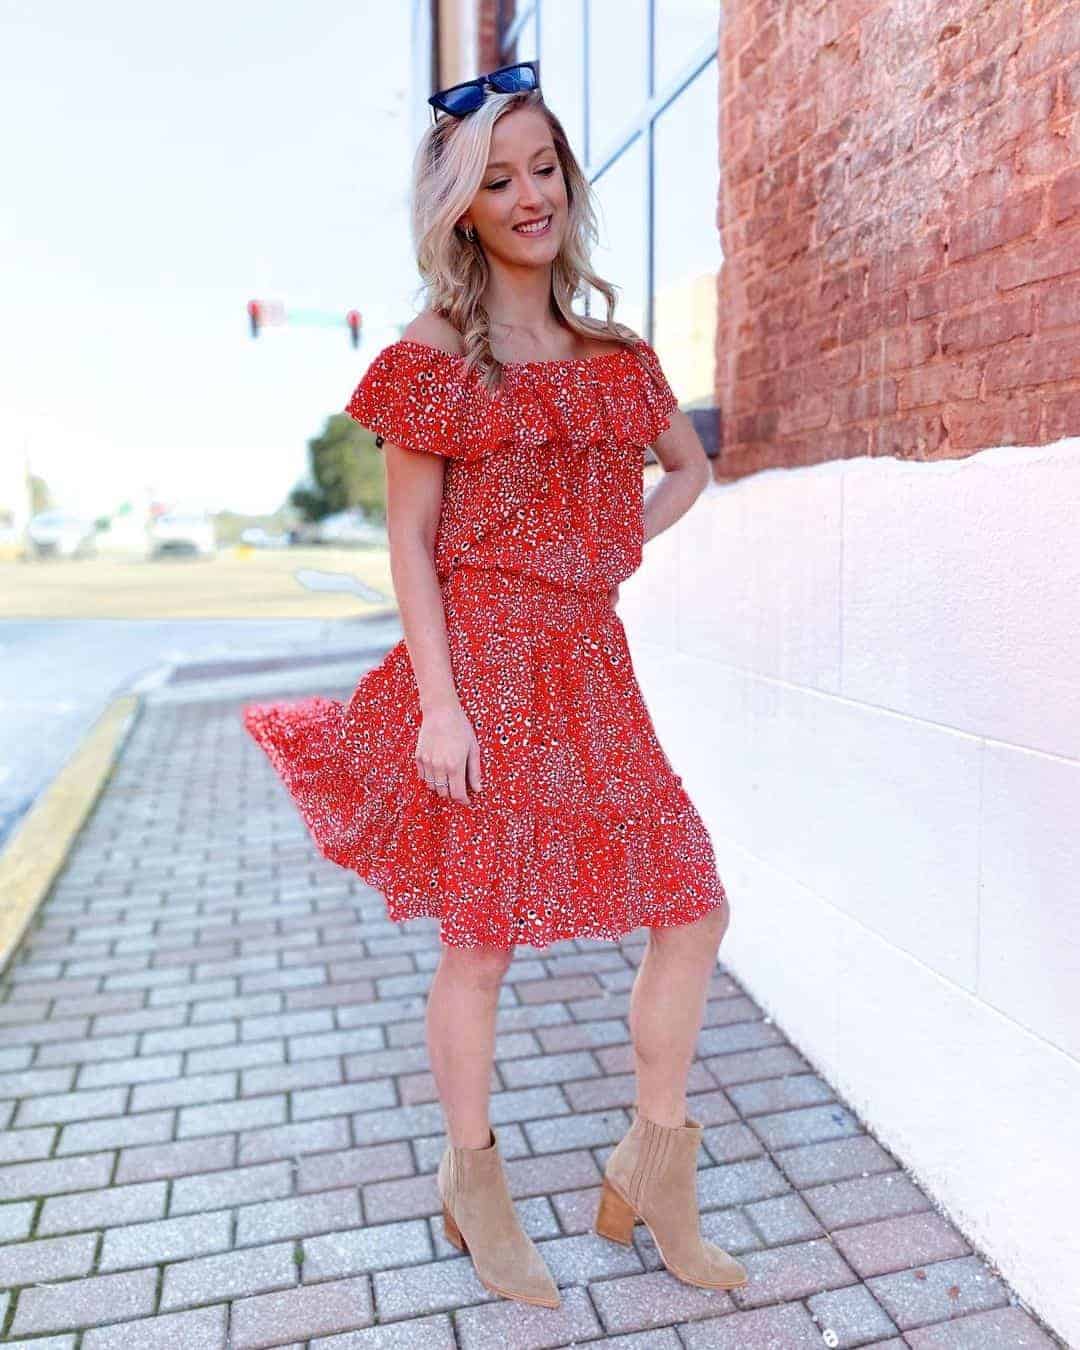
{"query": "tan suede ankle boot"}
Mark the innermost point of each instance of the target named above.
(652, 1175)
(479, 1218)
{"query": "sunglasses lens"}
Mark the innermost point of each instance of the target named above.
(513, 79)
(461, 101)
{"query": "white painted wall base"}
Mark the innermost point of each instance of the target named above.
(868, 674)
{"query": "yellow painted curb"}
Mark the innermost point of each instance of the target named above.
(43, 838)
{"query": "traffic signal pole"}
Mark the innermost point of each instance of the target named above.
(262, 313)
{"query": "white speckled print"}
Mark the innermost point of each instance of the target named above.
(582, 829)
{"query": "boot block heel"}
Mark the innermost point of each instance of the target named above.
(614, 1218)
(453, 1232)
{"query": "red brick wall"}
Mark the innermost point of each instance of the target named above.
(900, 216)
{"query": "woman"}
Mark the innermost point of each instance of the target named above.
(499, 770)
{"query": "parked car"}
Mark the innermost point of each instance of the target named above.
(58, 534)
(348, 527)
(257, 537)
(177, 532)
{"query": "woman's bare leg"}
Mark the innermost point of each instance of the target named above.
(460, 1020)
(667, 1006)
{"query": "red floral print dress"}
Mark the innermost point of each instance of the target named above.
(582, 828)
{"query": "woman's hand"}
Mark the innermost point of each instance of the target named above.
(448, 754)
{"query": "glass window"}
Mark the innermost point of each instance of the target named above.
(686, 243)
(594, 61)
(529, 41)
(681, 28)
(562, 66)
(619, 255)
(524, 47)
(507, 9)
(617, 86)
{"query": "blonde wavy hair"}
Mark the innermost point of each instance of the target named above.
(448, 171)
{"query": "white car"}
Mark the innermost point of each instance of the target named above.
(348, 527)
(257, 537)
(176, 532)
(57, 534)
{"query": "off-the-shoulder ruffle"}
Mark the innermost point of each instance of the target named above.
(423, 398)
(659, 395)
(618, 399)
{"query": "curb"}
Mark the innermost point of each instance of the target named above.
(39, 845)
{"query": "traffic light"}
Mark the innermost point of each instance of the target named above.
(262, 313)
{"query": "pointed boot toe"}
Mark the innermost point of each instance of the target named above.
(719, 1269)
(479, 1218)
(652, 1175)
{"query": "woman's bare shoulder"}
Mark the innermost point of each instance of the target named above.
(433, 330)
(602, 334)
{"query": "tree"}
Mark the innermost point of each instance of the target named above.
(40, 496)
(344, 471)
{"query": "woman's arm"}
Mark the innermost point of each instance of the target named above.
(414, 489)
(686, 474)
(447, 753)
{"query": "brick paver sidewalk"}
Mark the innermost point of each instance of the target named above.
(222, 1130)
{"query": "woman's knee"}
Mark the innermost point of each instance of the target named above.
(479, 967)
(703, 934)
(717, 919)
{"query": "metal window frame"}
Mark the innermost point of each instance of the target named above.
(642, 123)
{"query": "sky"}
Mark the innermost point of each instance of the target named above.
(162, 165)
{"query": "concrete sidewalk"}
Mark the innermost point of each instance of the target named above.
(221, 1130)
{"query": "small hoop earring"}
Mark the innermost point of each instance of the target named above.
(470, 233)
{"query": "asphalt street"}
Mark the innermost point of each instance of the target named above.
(57, 675)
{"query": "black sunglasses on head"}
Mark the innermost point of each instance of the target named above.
(461, 99)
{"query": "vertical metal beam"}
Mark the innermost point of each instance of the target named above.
(586, 140)
(650, 170)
